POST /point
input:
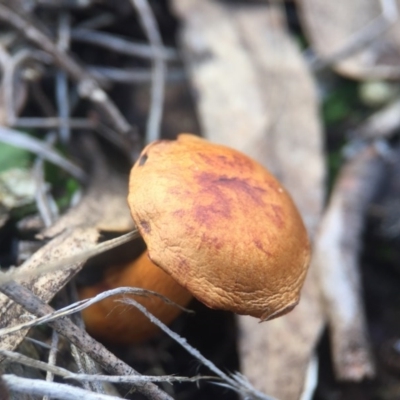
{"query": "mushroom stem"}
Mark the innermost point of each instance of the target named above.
(112, 321)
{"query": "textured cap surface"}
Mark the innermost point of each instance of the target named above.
(221, 225)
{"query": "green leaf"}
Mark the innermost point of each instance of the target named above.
(13, 157)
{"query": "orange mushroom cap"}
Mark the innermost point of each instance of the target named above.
(116, 322)
(221, 225)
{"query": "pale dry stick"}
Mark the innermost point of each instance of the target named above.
(150, 27)
(65, 3)
(246, 387)
(38, 343)
(82, 304)
(16, 274)
(336, 251)
(66, 374)
(53, 123)
(59, 391)
(142, 378)
(42, 149)
(362, 38)
(381, 124)
(7, 85)
(311, 381)
(80, 338)
(9, 78)
(44, 202)
(78, 356)
(87, 85)
(120, 45)
(44, 205)
(132, 76)
(234, 382)
(85, 363)
(52, 359)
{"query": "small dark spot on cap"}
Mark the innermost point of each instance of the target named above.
(145, 226)
(142, 160)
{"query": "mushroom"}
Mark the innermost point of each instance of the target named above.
(220, 225)
(114, 322)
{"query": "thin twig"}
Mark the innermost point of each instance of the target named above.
(133, 76)
(59, 391)
(362, 38)
(80, 338)
(40, 148)
(11, 66)
(150, 27)
(120, 45)
(38, 343)
(82, 304)
(232, 382)
(65, 3)
(53, 123)
(84, 362)
(30, 362)
(311, 379)
(7, 85)
(52, 359)
(15, 274)
(88, 86)
(61, 77)
(381, 124)
(44, 202)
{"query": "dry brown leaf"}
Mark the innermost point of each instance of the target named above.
(332, 25)
(256, 94)
(102, 207)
